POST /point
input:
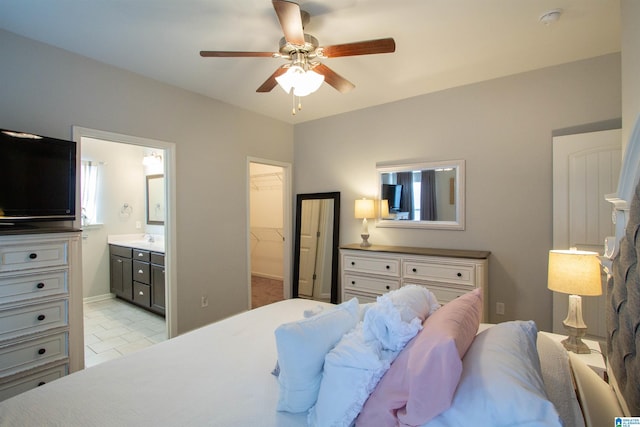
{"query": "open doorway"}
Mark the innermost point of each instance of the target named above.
(123, 171)
(268, 234)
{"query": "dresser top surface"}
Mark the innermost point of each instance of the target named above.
(453, 253)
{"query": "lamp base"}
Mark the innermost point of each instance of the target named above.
(574, 341)
(575, 327)
(365, 241)
(575, 345)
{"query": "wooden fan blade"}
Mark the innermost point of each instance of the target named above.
(367, 47)
(271, 82)
(223, 54)
(290, 20)
(334, 79)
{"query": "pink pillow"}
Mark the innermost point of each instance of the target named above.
(421, 382)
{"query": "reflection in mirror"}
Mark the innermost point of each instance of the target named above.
(315, 265)
(155, 199)
(423, 195)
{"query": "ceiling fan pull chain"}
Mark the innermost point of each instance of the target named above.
(293, 103)
(299, 103)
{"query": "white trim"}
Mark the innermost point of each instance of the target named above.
(170, 233)
(98, 298)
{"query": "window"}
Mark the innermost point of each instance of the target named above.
(89, 188)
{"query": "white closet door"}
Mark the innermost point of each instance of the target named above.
(585, 168)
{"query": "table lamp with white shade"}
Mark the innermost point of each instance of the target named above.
(575, 273)
(364, 209)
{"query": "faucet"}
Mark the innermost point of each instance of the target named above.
(150, 238)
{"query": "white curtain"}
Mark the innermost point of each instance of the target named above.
(89, 181)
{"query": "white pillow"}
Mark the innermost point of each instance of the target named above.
(397, 316)
(302, 346)
(351, 371)
(501, 383)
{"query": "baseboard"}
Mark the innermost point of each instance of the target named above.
(266, 276)
(98, 298)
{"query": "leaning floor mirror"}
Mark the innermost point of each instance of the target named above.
(315, 265)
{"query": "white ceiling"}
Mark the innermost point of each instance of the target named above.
(439, 43)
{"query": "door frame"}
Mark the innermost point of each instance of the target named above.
(286, 223)
(171, 277)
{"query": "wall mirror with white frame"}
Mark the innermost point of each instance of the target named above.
(421, 194)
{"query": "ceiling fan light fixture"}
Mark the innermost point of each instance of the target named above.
(300, 81)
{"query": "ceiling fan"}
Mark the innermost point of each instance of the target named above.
(304, 51)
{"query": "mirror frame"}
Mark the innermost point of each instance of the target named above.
(149, 203)
(335, 196)
(458, 224)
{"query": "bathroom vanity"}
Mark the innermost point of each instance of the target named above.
(137, 272)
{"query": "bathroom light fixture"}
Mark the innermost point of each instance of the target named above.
(364, 209)
(550, 16)
(152, 159)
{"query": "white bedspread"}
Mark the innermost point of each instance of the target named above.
(218, 375)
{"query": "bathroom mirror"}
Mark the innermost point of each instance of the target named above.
(155, 199)
(421, 194)
(315, 264)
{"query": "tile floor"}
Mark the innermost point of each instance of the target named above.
(113, 328)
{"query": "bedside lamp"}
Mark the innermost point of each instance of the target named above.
(364, 209)
(575, 273)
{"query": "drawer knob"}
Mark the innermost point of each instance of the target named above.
(41, 383)
(353, 282)
(415, 270)
(388, 267)
(42, 351)
(459, 274)
(141, 293)
(33, 255)
(41, 317)
(40, 285)
(353, 263)
(140, 254)
(120, 261)
(388, 287)
(140, 271)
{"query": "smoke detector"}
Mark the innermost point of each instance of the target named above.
(550, 16)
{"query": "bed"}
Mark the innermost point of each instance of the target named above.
(238, 371)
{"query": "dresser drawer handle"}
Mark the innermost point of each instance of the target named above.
(140, 254)
(353, 282)
(42, 351)
(388, 267)
(41, 383)
(141, 293)
(41, 317)
(140, 271)
(388, 287)
(459, 274)
(40, 285)
(415, 270)
(33, 255)
(353, 263)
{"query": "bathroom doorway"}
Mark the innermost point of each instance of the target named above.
(123, 166)
(268, 231)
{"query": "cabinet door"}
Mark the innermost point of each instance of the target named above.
(157, 288)
(121, 277)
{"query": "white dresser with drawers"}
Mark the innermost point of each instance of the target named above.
(41, 325)
(369, 272)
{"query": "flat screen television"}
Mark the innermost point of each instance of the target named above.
(37, 178)
(392, 193)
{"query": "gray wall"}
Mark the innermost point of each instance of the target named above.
(48, 90)
(502, 128)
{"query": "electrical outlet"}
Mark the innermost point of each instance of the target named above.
(500, 308)
(138, 225)
(204, 302)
